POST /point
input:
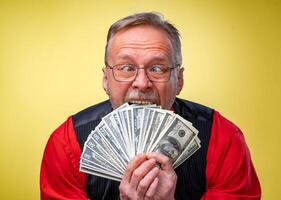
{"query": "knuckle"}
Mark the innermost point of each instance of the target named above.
(148, 196)
(170, 184)
(121, 187)
(137, 198)
(129, 167)
(136, 174)
(142, 187)
(123, 190)
(166, 160)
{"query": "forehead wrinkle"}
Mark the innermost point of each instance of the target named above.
(139, 43)
(134, 56)
(145, 45)
(129, 58)
(140, 49)
(135, 50)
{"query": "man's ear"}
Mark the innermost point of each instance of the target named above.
(105, 80)
(180, 80)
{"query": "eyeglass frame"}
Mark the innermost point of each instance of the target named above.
(138, 68)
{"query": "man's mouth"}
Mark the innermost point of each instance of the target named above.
(142, 98)
(140, 102)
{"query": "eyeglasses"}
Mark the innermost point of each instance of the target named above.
(128, 72)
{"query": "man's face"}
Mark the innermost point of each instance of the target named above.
(141, 46)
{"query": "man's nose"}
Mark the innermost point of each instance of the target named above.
(142, 81)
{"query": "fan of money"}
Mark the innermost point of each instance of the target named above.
(133, 129)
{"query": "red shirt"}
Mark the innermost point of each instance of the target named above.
(229, 172)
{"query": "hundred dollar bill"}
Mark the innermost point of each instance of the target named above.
(140, 139)
(113, 144)
(146, 121)
(136, 124)
(166, 120)
(98, 169)
(89, 171)
(189, 151)
(97, 161)
(123, 115)
(141, 117)
(135, 113)
(175, 139)
(103, 150)
(119, 126)
(117, 120)
(154, 125)
(109, 121)
(99, 138)
(133, 129)
(130, 131)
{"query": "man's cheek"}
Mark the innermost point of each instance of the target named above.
(119, 94)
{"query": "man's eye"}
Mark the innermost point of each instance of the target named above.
(126, 68)
(158, 69)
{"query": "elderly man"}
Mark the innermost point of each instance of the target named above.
(143, 66)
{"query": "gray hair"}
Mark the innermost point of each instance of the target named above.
(148, 18)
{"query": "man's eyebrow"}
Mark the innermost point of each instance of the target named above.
(124, 57)
(153, 59)
(159, 59)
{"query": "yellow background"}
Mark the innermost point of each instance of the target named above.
(51, 55)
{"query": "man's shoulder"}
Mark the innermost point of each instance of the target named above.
(92, 113)
(203, 113)
(193, 110)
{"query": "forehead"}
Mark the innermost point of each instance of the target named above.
(140, 40)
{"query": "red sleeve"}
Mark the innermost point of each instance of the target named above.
(229, 173)
(60, 177)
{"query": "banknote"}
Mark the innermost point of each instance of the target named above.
(164, 118)
(154, 125)
(109, 121)
(130, 130)
(133, 129)
(106, 147)
(123, 114)
(136, 124)
(146, 124)
(187, 152)
(98, 168)
(175, 139)
(113, 144)
(97, 160)
(102, 149)
(100, 174)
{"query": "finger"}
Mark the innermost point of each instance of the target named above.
(132, 165)
(145, 183)
(141, 171)
(152, 189)
(125, 187)
(163, 160)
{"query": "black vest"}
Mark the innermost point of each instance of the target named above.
(191, 183)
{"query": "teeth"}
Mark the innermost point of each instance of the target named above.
(141, 102)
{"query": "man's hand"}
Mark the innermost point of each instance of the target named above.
(144, 180)
(167, 177)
